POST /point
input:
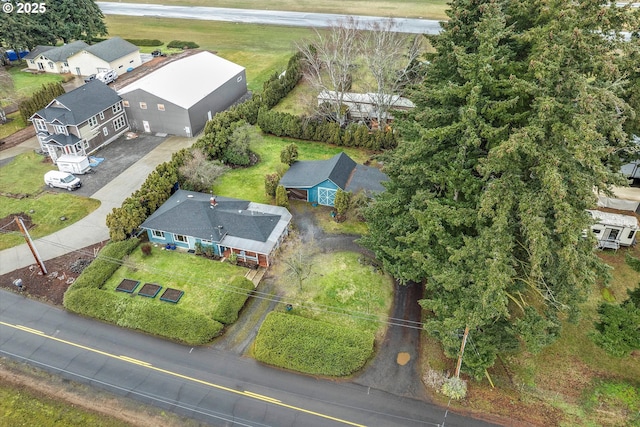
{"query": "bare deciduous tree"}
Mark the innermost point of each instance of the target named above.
(200, 173)
(331, 59)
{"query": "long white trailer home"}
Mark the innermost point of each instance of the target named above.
(614, 230)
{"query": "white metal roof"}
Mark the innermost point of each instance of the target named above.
(617, 220)
(186, 81)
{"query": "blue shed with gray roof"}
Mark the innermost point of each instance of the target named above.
(317, 181)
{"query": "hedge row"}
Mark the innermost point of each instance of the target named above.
(316, 347)
(166, 320)
(179, 44)
(229, 305)
(145, 42)
(102, 268)
(40, 99)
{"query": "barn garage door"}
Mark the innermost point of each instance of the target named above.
(326, 196)
(297, 194)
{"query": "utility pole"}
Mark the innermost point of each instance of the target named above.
(464, 342)
(34, 251)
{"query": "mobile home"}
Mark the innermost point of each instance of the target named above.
(614, 230)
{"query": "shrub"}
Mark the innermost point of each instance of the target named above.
(632, 262)
(146, 249)
(310, 346)
(145, 42)
(186, 326)
(281, 197)
(40, 99)
(455, 388)
(103, 267)
(342, 201)
(179, 44)
(271, 183)
(289, 154)
(232, 301)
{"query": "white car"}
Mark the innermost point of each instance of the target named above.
(62, 180)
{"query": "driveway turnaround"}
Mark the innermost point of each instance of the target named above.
(92, 229)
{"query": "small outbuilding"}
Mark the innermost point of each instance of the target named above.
(317, 181)
(180, 97)
(614, 230)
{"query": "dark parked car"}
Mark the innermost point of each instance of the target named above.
(157, 53)
(89, 78)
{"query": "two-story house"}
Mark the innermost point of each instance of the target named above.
(81, 121)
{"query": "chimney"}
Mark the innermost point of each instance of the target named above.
(212, 202)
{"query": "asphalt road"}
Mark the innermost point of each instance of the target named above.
(252, 16)
(202, 383)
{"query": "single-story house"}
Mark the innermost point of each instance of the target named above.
(81, 121)
(180, 97)
(364, 106)
(53, 59)
(111, 54)
(251, 231)
(318, 181)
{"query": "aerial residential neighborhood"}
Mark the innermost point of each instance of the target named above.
(383, 214)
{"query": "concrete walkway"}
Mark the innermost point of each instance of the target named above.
(92, 229)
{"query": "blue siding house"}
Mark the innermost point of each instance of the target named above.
(318, 181)
(250, 231)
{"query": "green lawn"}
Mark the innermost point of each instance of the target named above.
(261, 49)
(433, 9)
(248, 183)
(27, 83)
(24, 177)
(202, 280)
(14, 124)
(340, 290)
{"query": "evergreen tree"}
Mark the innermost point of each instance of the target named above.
(519, 118)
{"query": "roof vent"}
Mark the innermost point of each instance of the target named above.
(190, 196)
(212, 202)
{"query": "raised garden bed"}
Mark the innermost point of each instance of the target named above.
(171, 295)
(128, 285)
(149, 290)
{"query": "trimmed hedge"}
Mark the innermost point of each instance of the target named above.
(179, 44)
(310, 346)
(165, 320)
(145, 42)
(102, 268)
(232, 301)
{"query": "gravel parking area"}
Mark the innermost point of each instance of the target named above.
(118, 156)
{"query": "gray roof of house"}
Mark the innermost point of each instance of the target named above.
(62, 140)
(367, 178)
(37, 51)
(306, 174)
(77, 106)
(190, 213)
(112, 49)
(61, 53)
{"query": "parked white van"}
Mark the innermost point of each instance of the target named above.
(61, 180)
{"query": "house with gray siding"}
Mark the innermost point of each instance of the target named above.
(81, 121)
(318, 181)
(180, 97)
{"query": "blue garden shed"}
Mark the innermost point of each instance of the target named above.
(317, 181)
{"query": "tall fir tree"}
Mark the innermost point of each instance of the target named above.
(520, 117)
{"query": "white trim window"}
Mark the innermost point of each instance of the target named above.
(60, 130)
(101, 115)
(180, 238)
(125, 103)
(93, 121)
(116, 108)
(119, 122)
(40, 124)
(143, 105)
(105, 131)
(160, 107)
(157, 233)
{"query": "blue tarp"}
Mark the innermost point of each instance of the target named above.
(95, 161)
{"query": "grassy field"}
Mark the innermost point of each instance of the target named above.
(27, 83)
(23, 177)
(202, 280)
(572, 382)
(432, 9)
(261, 49)
(248, 183)
(14, 124)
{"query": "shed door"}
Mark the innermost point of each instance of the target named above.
(326, 196)
(297, 194)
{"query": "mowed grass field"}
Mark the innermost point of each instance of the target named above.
(261, 49)
(427, 9)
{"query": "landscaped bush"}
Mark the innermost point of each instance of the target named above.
(167, 320)
(232, 301)
(310, 346)
(145, 42)
(103, 267)
(179, 44)
(40, 99)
